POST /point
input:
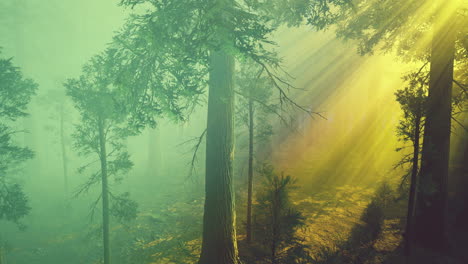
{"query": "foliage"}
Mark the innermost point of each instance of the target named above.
(412, 100)
(320, 13)
(276, 221)
(123, 208)
(164, 50)
(16, 91)
(15, 94)
(375, 24)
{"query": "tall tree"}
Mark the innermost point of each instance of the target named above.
(101, 133)
(193, 44)
(253, 108)
(56, 102)
(412, 100)
(431, 206)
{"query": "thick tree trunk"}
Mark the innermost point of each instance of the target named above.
(64, 152)
(105, 193)
(219, 244)
(432, 191)
(250, 172)
(413, 184)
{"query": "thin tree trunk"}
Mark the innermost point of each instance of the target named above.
(105, 193)
(64, 151)
(432, 191)
(250, 180)
(2, 256)
(276, 210)
(219, 235)
(413, 184)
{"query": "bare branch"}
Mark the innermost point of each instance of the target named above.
(283, 95)
(461, 86)
(87, 185)
(194, 150)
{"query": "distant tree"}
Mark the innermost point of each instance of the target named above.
(104, 127)
(56, 102)
(15, 94)
(276, 221)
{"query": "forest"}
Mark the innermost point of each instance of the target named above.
(234, 132)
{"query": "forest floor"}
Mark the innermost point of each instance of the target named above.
(355, 225)
(340, 229)
(344, 225)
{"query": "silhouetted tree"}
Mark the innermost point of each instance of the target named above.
(412, 100)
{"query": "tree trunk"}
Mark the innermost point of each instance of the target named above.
(250, 180)
(105, 192)
(432, 190)
(64, 152)
(219, 244)
(413, 184)
(2, 256)
(276, 210)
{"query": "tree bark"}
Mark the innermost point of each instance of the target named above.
(413, 184)
(432, 190)
(219, 235)
(250, 172)
(105, 192)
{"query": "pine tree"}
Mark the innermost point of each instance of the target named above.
(15, 94)
(180, 48)
(104, 127)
